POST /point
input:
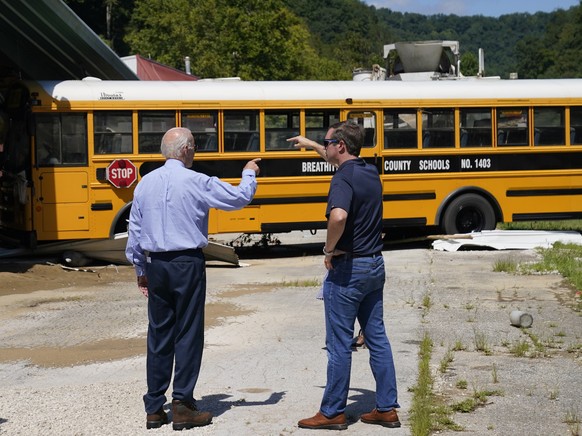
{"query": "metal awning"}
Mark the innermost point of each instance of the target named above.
(45, 39)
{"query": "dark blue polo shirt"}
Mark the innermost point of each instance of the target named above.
(356, 188)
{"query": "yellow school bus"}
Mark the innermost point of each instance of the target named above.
(459, 155)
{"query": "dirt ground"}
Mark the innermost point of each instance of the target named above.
(73, 345)
(29, 286)
(20, 276)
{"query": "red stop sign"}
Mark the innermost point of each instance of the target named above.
(121, 173)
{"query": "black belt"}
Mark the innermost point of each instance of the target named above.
(357, 256)
(169, 255)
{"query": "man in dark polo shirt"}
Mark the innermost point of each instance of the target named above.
(353, 288)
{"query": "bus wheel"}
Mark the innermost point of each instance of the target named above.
(122, 224)
(469, 213)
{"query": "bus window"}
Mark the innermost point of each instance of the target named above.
(512, 125)
(366, 119)
(575, 125)
(549, 126)
(476, 128)
(241, 131)
(74, 139)
(438, 128)
(112, 132)
(317, 123)
(280, 125)
(400, 128)
(203, 125)
(151, 128)
(61, 139)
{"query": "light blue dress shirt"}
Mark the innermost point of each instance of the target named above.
(170, 209)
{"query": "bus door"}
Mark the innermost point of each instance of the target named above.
(368, 120)
(60, 176)
(15, 214)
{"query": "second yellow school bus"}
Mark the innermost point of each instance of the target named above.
(460, 155)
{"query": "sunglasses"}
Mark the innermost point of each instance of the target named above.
(326, 142)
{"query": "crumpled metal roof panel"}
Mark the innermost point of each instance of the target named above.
(44, 39)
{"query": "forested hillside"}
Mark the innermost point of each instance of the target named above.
(498, 37)
(325, 39)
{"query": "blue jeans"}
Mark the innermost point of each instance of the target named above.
(353, 289)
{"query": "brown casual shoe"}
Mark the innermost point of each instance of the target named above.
(156, 420)
(358, 341)
(320, 421)
(385, 419)
(186, 415)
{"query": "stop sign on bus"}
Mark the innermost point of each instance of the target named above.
(121, 173)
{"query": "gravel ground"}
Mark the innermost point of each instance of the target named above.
(72, 352)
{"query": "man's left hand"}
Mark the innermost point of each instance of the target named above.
(142, 284)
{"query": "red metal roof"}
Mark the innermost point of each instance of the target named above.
(148, 69)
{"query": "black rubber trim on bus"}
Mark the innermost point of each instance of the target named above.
(288, 200)
(542, 192)
(404, 222)
(409, 197)
(287, 227)
(102, 206)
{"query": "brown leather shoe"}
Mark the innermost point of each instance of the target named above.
(385, 419)
(186, 415)
(359, 341)
(320, 421)
(156, 420)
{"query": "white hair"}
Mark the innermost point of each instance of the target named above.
(174, 141)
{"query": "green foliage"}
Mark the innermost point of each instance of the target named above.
(470, 64)
(345, 31)
(94, 13)
(564, 258)
(325, 39)
(426, 414)
(252, 39)
(556, 53)
(505, 265)
(520, 348)
(497, 36)
(465, 406)
(564, 225)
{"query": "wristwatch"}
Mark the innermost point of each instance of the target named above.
(327, 253)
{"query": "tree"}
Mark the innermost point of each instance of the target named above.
(347, 32)
(252, 39)
(556, 53)
(469, 64)
(324, 39)
(107, 18)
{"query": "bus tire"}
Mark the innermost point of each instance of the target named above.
(469, 213)
(122, 223)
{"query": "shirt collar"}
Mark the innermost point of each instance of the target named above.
(356, 161)
(174, 163)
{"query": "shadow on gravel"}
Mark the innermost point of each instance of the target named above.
(219, 404)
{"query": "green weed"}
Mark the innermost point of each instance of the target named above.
(520, 348)
(505, 265)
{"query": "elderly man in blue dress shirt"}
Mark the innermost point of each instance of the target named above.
(168, 227)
